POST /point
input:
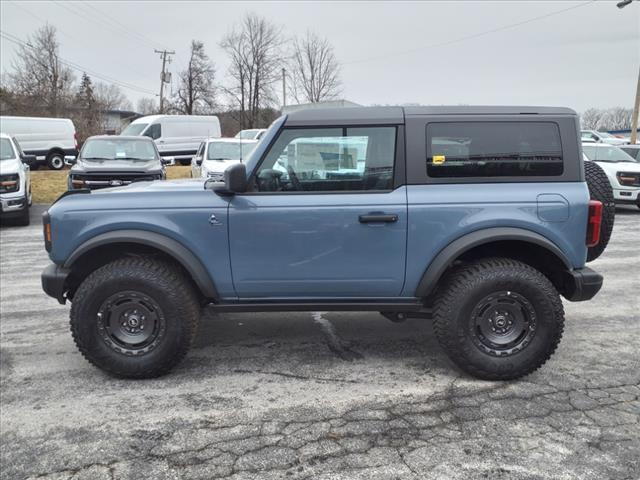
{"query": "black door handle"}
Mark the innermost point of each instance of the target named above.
(378, 218)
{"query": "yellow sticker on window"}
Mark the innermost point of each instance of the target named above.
(438, 159)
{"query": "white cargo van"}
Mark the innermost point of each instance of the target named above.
(49, 139)
(176, 136)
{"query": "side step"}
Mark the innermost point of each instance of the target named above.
(406, 308)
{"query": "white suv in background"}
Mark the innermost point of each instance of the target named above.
(601, 137)
(215, 154)
(15, 180)
(622, 170)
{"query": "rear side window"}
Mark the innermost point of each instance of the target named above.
(493, 149)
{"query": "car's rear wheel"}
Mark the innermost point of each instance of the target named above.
(600, 189)
(498, 319)
(135, 317)
(55, 161)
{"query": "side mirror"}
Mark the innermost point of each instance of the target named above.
(70, 160)
(29, 159)
(235, 180)
(168, 161)
(198, 161)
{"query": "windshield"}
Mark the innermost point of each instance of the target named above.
(606, 154)
(247, 134)
(606, 135)
(6, 149)
(134, 129)
(114, 148)
(229, 151)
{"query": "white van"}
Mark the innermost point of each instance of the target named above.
(49, 139)
(176, 136)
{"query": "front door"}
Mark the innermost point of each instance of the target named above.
(324, 219)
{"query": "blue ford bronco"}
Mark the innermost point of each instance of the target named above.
(478, 217)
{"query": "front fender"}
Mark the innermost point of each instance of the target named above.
(167, 245)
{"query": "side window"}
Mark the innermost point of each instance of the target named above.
(329, 159)
(493, 149)
(154, 131)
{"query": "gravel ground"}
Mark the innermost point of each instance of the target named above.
(319, 395)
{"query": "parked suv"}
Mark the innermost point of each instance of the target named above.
(112, 161)
(15, 180)
(477, 216)
(215, 154)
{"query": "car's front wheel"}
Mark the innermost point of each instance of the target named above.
(498, 318)
(135, 317)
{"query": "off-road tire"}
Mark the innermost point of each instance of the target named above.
(600, 189)
(466, 287)
(24, 219)
(184, 162)
(165, 285)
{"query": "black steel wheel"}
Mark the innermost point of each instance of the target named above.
(498, 318)
(135, 317)
(131, 322)
(503, 323)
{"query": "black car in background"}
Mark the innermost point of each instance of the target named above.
(113, 161)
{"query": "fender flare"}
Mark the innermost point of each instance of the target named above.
(171, 247)
(451, 252)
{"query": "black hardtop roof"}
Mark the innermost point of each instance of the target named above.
(394, 115)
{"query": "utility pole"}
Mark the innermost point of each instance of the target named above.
(634, 119)
(165, 77)
(284, 87)
(636, 105)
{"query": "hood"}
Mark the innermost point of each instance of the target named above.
(158, 186)
(620, 166)
(9, 166)
(99, 166)
(217, 165)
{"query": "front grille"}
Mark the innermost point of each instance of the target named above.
(106, 180)
(9, 183)
(216, 176)
(629, 179)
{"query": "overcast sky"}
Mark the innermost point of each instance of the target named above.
(391, 53)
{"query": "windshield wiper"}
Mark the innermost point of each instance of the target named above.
(219, 158)
(96, 158)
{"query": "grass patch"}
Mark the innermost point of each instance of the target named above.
(47, 185)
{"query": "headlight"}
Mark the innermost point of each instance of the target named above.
(628, 179)
(9, 183)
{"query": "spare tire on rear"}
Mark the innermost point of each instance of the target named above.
(600, 189)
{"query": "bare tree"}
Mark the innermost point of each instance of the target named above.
(314, 70)
(39, 76)
(111, 97)
(618, 118)
(147, 106)
(254, 53)
(591, 118)
(196, 91)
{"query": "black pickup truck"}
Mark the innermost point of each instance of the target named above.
(113, 161)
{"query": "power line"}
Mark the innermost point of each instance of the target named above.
(16, 4)
(124, 28)
(468, 37)
(80, 68)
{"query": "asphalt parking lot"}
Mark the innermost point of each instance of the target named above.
(319, 395)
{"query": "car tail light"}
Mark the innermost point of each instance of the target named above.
(46, 226)
(594, 223)
(75, 139)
